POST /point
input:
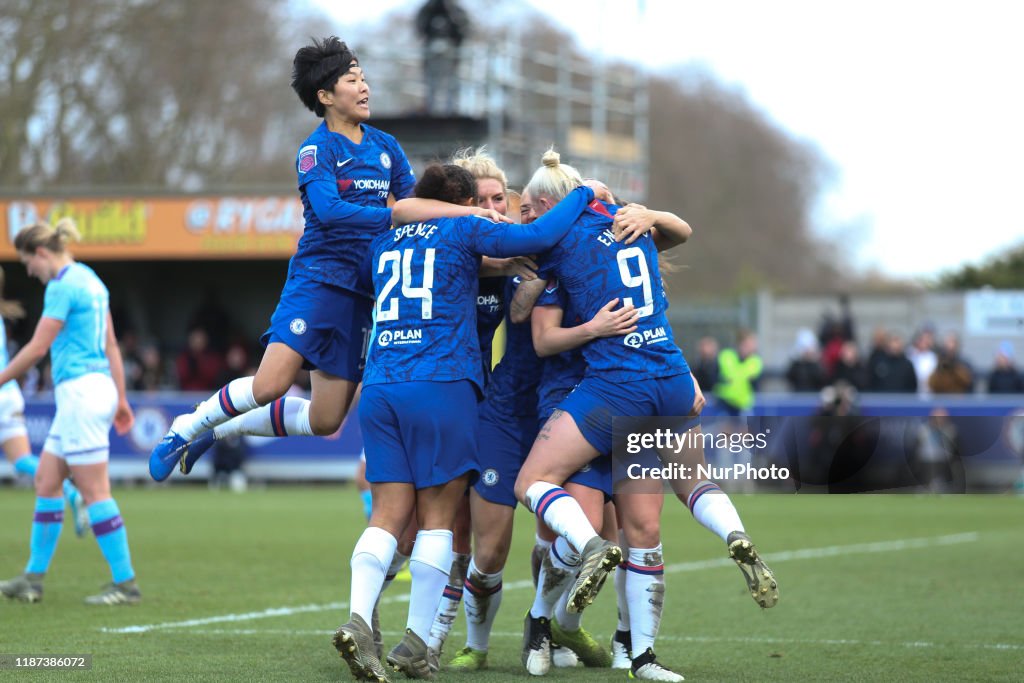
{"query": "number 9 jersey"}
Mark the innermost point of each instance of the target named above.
(593, 269)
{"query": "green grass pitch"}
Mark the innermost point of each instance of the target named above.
(250, 587)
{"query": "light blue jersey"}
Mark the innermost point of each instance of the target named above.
(79, 299)
(5, 359)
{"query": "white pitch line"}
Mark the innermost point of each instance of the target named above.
(775, 557)
(661, 637)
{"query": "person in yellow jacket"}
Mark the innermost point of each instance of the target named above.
(739, 370)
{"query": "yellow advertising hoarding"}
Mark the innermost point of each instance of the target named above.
(157, 228)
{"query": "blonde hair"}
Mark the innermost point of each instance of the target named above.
(480, 164)
(9, 309)
(55, 239)
(553, 179)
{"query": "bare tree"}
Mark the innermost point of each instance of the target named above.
(179, 95)
(748, 188)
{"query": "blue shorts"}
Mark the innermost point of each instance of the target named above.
(420, 433)
(505, 441)
(596, 474)
(328, 326)
(596, 401)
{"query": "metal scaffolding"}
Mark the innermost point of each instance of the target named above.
(520, 98)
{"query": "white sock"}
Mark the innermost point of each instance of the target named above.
(561, 513)
(448, 610)
(556, 573)
(621, 602)
(429, 565)
(645, 593)
(483, 597)
(712, 508)
(370, 560)
(288, 416)
(234, 398)
(569, 621)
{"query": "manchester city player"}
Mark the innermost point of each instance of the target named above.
(88, 376)
(346, 169)
(13, 432)
(418, 409)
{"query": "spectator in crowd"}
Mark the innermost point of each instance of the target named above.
(805, 372)
(442, 25)
(850, 368)
(132, 360)
(1005, 378)
(199, 366)
(922, 355)
(893, 372)
(739, 370)
(879, 341)
(154, 373)
(705, 370)
(952, 374)
(834, 331)
(214, 319)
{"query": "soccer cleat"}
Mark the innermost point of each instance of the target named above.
(599, 558)
(22, 588)
(622, 650)
(354, 641)
(79, 513)
(563, 657)
(410, 657)
(124, 593)
(195, 450)
(646, 668)
(468, 659)
(433, 660)
(166, 455)
(583, 644)
(760, 579)
(536, 645)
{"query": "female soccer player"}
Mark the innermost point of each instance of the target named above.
(13, 435)
(641, 375)
(558, 334)
(346, 170)
(418, 409)
(89, 388)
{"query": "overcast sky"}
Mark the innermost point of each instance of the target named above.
(919, 105)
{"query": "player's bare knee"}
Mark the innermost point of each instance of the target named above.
(643, 533)
(267, 389)
(323, 425)
(489, 560)
(47, 487)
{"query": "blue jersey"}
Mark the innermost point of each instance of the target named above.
(79, 299)
(490, 311)
(513, 388)
(344, 189)
(561, 372)
(594, 269)
(425, 280)
(5, 358)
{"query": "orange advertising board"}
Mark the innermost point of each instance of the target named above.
(157, 228)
